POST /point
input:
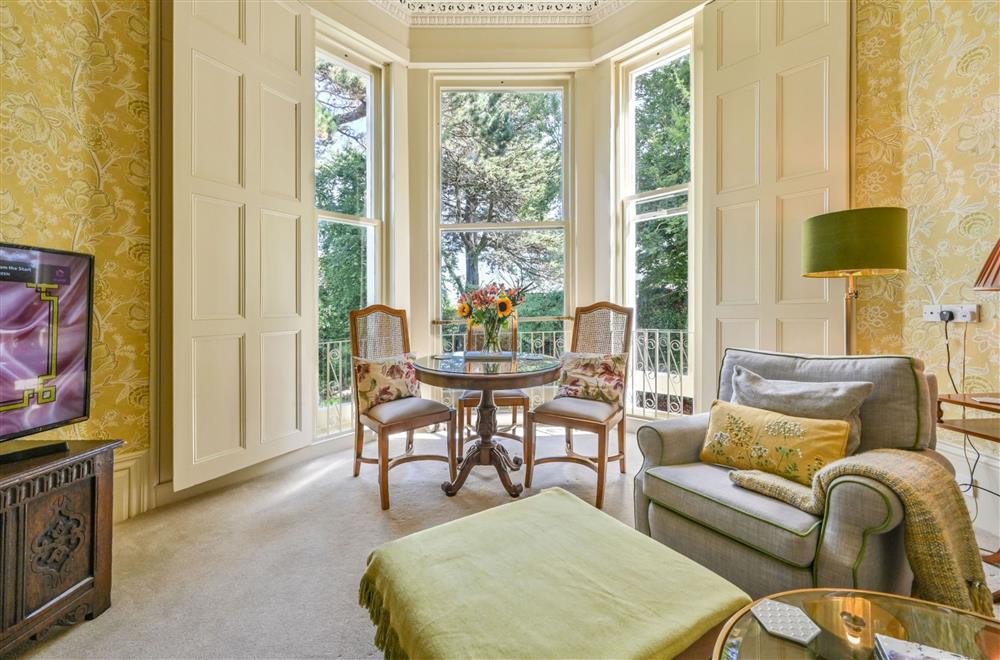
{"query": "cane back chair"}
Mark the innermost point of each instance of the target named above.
(603, 328)
(513, 399)
(378, 333)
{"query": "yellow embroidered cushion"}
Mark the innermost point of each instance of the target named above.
(380, 381)
(755, 439)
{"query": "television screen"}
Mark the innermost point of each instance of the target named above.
(45, 310)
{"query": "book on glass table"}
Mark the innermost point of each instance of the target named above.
(890, 648)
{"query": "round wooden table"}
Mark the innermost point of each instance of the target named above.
(503, 372)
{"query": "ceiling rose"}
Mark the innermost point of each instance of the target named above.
(487, 13)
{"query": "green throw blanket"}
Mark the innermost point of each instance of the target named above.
(548, 576)
(940, 542)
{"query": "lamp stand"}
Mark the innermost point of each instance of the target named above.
(850, 306)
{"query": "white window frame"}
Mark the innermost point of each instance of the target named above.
(628, 70)
(376, 195)
(512, 82)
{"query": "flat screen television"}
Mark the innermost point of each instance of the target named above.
(46, 306)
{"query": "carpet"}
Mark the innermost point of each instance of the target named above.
(270, 568)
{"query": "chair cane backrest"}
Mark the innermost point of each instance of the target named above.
(603, 328)
(379, 332)
(475, 337)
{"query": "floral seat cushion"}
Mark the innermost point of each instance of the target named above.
(381, 381)
(593, 376)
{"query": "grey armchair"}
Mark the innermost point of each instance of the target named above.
(764, 545)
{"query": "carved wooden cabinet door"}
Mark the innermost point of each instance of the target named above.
(55, 540)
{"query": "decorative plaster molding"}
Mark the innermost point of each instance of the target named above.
(449, 13)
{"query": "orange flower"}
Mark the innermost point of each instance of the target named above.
(504, 306)
(464, 310)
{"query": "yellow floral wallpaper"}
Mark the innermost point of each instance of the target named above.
(926, 138)
(74, 174)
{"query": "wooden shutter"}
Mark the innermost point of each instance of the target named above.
(775, 148)
(243, 236)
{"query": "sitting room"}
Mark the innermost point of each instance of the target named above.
(532, 329)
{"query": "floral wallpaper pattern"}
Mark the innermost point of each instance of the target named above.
(74, 174)
(926, 138)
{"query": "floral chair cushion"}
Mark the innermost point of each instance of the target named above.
(755, 439)
(380, 381)
(593, 376)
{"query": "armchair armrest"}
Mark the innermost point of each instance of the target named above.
(673, 441)
(861, 542)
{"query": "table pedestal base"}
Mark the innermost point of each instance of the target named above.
(485, 451)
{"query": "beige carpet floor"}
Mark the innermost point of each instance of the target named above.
(270, 568)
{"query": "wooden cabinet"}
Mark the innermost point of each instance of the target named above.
(55, 540)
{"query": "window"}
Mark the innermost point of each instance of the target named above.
(349, 223)
(502, 199)
(656, 181)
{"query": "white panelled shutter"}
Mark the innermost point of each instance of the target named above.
(775, 151)
(243, 239)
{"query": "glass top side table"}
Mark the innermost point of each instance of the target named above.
(849, 619)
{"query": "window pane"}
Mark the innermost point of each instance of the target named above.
(501, 156)
(346, 278)
(662, 204)
(662, 105)
(471, 259)
(343, 144)
(661, 277)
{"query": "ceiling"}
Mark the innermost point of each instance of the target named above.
(495, 13)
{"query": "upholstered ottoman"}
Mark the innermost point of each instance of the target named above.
(545, 577)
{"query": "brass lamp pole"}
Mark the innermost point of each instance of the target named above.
(854, 243)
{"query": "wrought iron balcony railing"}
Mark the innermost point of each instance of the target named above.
(660, 382)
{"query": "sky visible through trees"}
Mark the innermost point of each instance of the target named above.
(501, 160)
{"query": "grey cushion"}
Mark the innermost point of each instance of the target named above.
(473, 395)
(585, 409)
(755, 573)
(399, 410)
(703, 493)
(898, 413)
(811, 400)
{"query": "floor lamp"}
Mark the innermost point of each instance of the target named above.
(854, 243)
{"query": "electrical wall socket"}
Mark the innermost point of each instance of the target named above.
(963, 313)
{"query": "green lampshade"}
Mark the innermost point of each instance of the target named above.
(855, 242)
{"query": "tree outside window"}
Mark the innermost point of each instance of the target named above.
(502, 166)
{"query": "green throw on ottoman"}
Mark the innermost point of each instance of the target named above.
(545, 577)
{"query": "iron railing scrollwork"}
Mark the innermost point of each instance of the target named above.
(660, 382)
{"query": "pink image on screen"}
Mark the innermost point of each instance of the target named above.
(44, 307)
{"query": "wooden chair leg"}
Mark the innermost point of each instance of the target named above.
(383, 468)
(452, 446)
(621, 444)
(602, 465)
(359, 443)
(569, 441)
(409, 441)
(529, 448)
(460, 440)
(513, 417)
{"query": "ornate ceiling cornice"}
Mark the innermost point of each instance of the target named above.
(491, 13)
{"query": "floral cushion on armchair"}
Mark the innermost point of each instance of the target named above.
(381, 381)
(593, 376)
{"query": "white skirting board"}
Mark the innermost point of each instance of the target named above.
(131, 486)
(983, 506)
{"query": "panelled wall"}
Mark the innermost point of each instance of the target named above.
(775, 144)
(243, 236)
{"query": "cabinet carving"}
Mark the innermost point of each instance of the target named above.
(55, 540)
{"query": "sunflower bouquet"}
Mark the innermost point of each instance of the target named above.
(491, 307)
